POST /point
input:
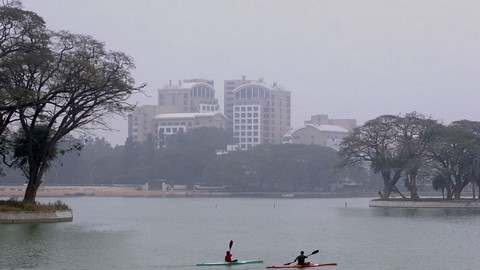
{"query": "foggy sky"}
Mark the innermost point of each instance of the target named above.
(349, 59)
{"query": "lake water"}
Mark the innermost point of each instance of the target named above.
(177, 233)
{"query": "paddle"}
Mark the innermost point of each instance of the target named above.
(314, 252)
(230, 249)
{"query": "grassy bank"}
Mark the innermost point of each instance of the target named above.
(14, 205)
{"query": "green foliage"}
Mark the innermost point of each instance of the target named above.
(288, 167)
(34, 147)
(14, 205)
(58, 82)
(411, 145)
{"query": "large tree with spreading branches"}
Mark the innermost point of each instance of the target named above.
(53, 85)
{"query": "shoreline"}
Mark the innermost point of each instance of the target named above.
(469, 204)
(134, 191)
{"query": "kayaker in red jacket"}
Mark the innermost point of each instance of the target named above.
(301, 259)
(228, 257)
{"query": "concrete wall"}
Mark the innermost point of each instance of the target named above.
(462, 204)
(36, 217)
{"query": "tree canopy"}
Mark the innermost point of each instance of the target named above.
(406, 146)
(57, 82)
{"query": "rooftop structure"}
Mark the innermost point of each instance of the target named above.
(321, 130)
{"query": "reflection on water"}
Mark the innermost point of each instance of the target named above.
(425, 212)
(24, 245)
(158, 233)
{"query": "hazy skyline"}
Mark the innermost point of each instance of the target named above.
(348, 59)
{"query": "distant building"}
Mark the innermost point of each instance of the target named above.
(320, 130)
(189, 104)
(188, 96)
(141, 122)
(256, 112)
(322, 119)
(172, 123)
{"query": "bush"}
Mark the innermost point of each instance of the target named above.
(13, 204)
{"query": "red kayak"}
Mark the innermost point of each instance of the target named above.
(302, 266)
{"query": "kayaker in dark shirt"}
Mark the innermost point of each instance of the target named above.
(301, 259)
(228, 257)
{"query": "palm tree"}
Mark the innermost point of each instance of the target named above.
(32, 151)
(440, 182)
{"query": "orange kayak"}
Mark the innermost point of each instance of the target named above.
(302, 266)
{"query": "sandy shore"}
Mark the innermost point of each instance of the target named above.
(134, 191)
(104, 191)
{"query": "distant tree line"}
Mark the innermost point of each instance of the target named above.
(417, 149)
(191, 158)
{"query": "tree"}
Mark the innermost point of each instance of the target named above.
(376, 143)
(416, 134)
(454, 154)
(286, 167)
(70, 83)
(21, 32)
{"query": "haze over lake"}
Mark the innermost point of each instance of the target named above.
(177, 233)
(349, 59)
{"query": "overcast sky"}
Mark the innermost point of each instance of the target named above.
(349, 59)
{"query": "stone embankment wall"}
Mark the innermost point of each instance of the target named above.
(461, 204)
(36, 217)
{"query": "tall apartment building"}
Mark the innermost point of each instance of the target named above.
(257, 113)
(189, 99)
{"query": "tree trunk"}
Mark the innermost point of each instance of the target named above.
(386, 192)
(413, 187)
(30, 194)
(388, 183)
(449, 187)
(387, 186)
(473, 190)
(457, 191)
(34, 181)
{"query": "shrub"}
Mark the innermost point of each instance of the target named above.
(13, 204)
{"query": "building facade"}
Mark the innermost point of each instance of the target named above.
(190, 103)
(172, 123)
(188, 96)
(256, 112)
(322, 119)
(141, 122)
(320, 130)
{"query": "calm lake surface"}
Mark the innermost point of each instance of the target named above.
(177, 233)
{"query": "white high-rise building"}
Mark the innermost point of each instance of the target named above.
(257, 112)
